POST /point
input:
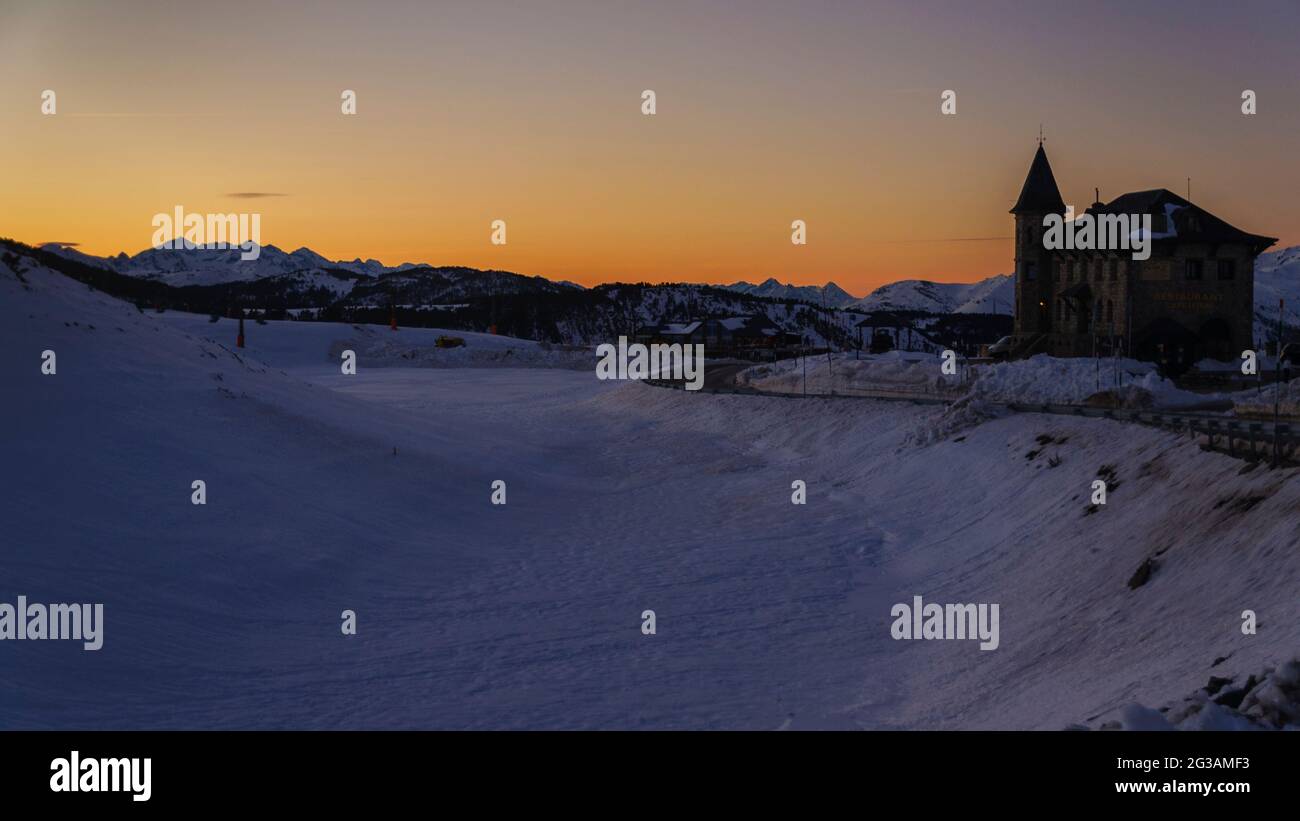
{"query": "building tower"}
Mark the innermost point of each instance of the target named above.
(1034, 292)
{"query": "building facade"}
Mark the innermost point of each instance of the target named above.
(1192, 298)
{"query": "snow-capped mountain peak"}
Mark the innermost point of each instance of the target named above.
(992, 295)
(217, 266)
(832, 295)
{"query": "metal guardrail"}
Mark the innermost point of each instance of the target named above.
(1239, 438)
(903, 393)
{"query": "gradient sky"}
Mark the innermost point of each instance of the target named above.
(530, 112)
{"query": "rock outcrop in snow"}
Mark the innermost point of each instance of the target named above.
(1266, 700)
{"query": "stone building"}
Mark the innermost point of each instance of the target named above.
(1192, 298)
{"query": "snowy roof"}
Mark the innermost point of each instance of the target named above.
(1173, 217)
(679, 328)
(745, 325)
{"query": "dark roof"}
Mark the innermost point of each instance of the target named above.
(887, 317)
(1191, 222)
(743, 325)
(1039, 194)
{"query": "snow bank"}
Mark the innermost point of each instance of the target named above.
(1040, 379)
(1259, 403)
(1049, 379)
(967, 412)
(843, 373)
(1000, 513)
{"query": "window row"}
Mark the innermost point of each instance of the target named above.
(1194, 269)
(1079, 271)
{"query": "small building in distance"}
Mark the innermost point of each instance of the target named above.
(1192, 299)
(672, 333)
(750, 336)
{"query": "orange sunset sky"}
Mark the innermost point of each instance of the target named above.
(530, 112)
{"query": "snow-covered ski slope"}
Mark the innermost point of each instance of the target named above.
(621, 498)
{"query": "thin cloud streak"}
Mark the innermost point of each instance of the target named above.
(944, 239)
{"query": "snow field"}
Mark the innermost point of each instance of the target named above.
(622, 497)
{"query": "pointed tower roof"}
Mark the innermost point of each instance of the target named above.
(1040, 194)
